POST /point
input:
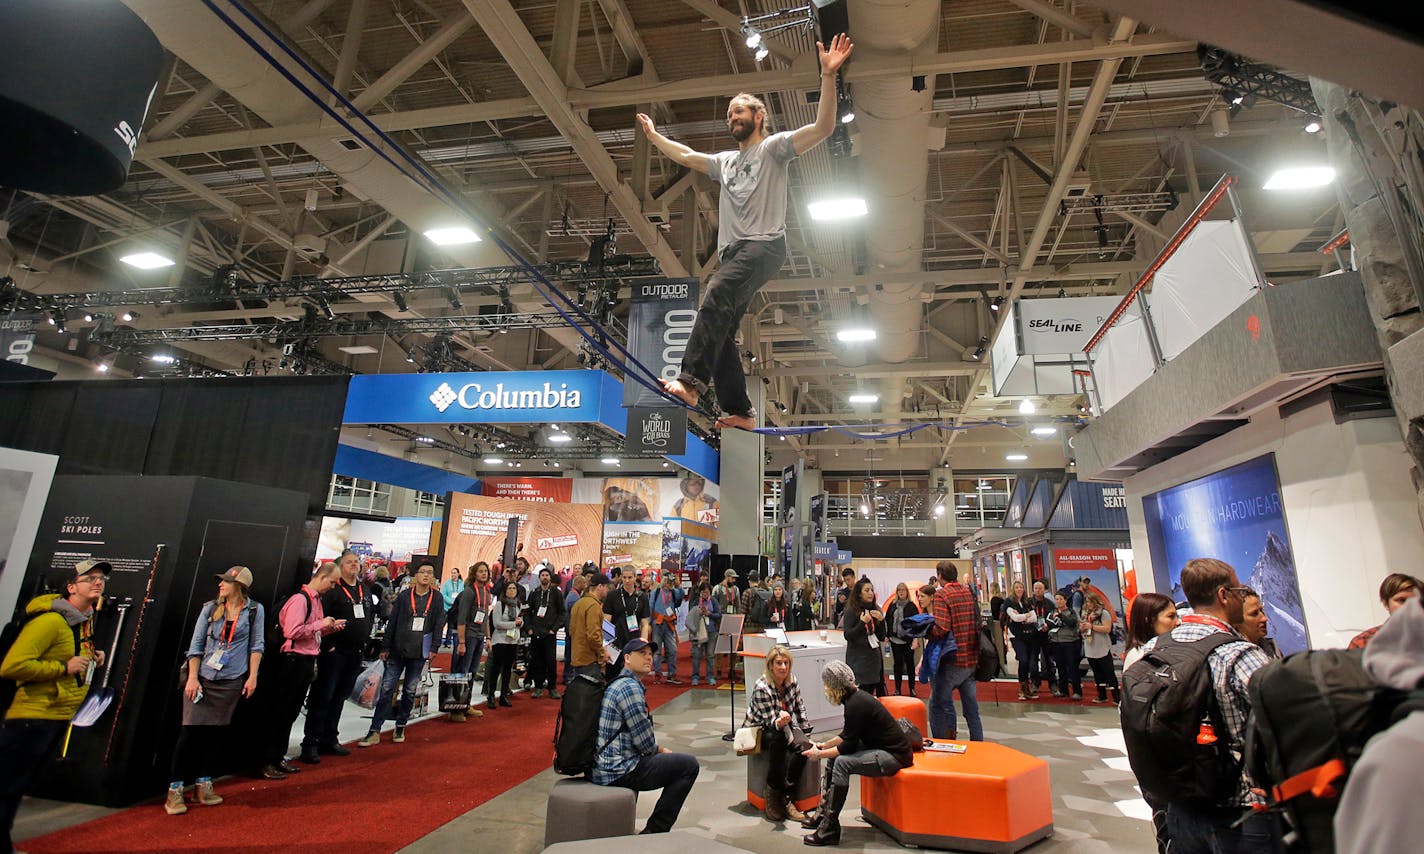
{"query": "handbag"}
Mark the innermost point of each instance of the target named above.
(747, 741)
(455, 691)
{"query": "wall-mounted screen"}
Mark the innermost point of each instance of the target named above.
(1234, 515)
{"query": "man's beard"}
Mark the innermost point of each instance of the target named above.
(741, 131)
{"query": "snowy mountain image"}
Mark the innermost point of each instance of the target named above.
(1273, 577)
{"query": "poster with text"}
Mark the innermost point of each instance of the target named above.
(25, 479)
(635, 544)
(565, 534)
(1235, 516)
(541, 489)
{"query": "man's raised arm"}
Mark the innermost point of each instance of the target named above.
(807, 137)
(675, 151)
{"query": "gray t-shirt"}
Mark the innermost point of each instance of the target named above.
(753, 201)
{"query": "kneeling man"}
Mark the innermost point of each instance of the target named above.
(628, 752)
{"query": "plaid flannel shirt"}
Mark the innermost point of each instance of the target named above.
(1232, 666)
(625, 729)
(766, 703)
(954, 611)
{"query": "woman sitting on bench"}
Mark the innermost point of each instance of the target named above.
(871, 744)
(777, 708)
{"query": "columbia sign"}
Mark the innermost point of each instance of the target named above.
(476, 396)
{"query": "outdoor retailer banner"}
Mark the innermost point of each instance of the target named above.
(558, 490)
(660, 317)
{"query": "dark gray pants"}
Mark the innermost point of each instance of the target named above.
(712, 355)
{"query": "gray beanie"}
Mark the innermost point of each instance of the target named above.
(838, 676)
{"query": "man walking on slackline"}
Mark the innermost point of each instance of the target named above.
(751, 232)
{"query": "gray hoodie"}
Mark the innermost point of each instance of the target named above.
(1379, 811)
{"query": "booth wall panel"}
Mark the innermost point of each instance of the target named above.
(109, 428)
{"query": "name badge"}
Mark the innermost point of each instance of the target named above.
(479, 617)
(417, 624)
(668, 612)
(873, 641)
(542, 610)
(215, 661)
(512, 634)
(632, 621)
(89, 672)
(358, 612)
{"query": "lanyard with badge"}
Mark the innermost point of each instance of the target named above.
(480, 604)
(630, 617)
(543, 606)
(417, 624)
(218, 658)
(870, 636)
(358, 605)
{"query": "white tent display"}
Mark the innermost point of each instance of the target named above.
(1205, 280)
(1041, 343)
(1123, 360)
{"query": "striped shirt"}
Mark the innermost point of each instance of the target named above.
(1232, 666)
(625, 729)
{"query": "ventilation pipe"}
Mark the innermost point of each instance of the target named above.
(893, 122)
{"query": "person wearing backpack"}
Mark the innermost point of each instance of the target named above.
(286, 676)
(340, 661)
(1184, 717)
(1379, 809)
(52, 661)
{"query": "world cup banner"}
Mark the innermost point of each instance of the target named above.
(660, 317)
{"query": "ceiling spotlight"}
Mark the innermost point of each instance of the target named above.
(1313, 126)
(1016, 456)
(493, 461)
(996, 303)
(1044, 431)
(147, 260)
(853, 335)
(864, 509)
(454, 236)
(410, 355)
(453, 295)
(939, 510)
(1300, 178)
(88, 317)
(864, 397)
(401, 304)
(666, 464)
(1026, 407)
(832, 209)
(52, 319)
(127, 317)
(609, 461)
(102, 367)
(761, 53)
(325, 309)
(560, 438)
(753, 38)
(979, 350)
(162, 358)
(58, 324)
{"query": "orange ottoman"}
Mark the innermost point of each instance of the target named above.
(914, 710)
(989, 798)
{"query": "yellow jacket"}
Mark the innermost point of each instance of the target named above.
(38, 658)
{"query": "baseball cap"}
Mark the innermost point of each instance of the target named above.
(637, 644)
(731, 573)
(84, 567)
(598, 578)
(754, 575)
(241, 574)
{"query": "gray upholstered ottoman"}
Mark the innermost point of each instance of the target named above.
(808, 790)
(579, 809)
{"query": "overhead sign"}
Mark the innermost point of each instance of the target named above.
(824, 551)
(509, 397)
(660, 317)
(844, 556)
(17, 338)
(656, 429)
(1061, 325)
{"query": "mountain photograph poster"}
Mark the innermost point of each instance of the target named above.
(1233, 515)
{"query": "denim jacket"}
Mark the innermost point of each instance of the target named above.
(210, 635)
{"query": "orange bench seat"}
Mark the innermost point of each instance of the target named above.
(989, 798)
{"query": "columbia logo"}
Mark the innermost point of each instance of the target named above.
(443, 396)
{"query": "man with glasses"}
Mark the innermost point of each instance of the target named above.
(1217, 600)
(52, 660)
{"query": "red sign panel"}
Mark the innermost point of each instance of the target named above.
(554, 490)
(1073, 560)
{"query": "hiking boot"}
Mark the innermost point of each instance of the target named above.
(175, 805)
(399, 737)
(474, 712)
(554, 694)
(828, 831)
(538, 692)
(793, 812)
(370, 740)
(504, 701)
(775, 806)
(286, 767)
(333, 750)
(456, 717)
(272, 772)
(309, 755)
(206, 796)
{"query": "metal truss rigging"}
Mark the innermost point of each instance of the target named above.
(310, 327)
(1243, 81)
(227, 285)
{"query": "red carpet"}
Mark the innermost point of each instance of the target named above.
(1008, 692)
(378, 799)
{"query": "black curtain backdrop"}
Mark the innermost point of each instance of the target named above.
(862, 545)
(270, 431)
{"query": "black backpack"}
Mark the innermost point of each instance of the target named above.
(1311, 715)
(275, 636)
(9, 687)
(576, 728)
(1167, 699)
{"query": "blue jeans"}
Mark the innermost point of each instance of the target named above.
(1195, 831)
(702, 660)
(665, 636)
(395, 667)
(948, 679)
(1026, 652)
(25, 745)
(470, 661)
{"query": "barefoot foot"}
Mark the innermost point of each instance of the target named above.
(739, 422)
(677, 389)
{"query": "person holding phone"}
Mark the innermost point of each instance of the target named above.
(865, 632)
(223, 657)
(417, 621)
(285, 677)
(506, 621)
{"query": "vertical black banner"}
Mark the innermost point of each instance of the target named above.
(17, 338)
(657, 430)
(660, 317)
